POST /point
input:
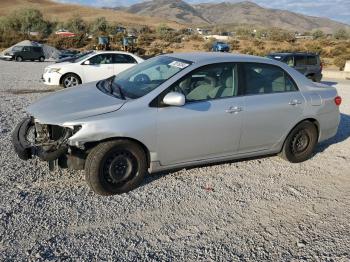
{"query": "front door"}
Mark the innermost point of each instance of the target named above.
(100, 67)
(209, 124)
(272, 106)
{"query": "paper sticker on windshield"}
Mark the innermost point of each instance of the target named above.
(179, 64)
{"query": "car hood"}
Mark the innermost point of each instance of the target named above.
(62, 63)
(73, 104)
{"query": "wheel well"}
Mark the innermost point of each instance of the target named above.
(90, 145)
(315, 122)
(61, 79)
(312, 120)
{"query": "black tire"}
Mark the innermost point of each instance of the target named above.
(19, 58)
(70, 80)
(312, 78)
(300, 143)
(41, 59)
(20, 139)
(115, 167)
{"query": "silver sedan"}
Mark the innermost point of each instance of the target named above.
(176, 111)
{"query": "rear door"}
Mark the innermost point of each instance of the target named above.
(100, 67)
(122, 62)
(272, 106)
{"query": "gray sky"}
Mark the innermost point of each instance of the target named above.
(338, 10)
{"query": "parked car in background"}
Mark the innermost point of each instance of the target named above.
(220, 47)
(21, 53)
(66, 53)
(92, 66)
(309, 64)
(66, 57)
(179, 110)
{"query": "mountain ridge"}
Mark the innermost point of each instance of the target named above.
(245, 12)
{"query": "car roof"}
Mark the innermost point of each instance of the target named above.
(293, 53)
(114, 52)
(202, 57)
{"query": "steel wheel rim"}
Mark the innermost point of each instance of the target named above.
(119, 167)
(300, 142)
(71, 81)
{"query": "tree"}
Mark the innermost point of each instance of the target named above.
(318, 34)
(341, 34)
(30, 20)
(100, 25)
(76, 24)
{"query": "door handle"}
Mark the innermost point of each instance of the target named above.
(294, 102)
(234, 109)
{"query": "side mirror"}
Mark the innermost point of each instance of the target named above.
(87, 62)
(174, 99)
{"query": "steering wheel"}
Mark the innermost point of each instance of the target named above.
(142, 78)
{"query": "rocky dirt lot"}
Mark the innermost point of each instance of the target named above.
(262, 209)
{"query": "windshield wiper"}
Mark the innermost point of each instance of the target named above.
(119, 89)
(109, 87)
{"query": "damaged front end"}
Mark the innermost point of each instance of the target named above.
(48, 142)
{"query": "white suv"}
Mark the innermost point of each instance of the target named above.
(91, 67)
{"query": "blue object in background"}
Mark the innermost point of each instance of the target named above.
(220, 47)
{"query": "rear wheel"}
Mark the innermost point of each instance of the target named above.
(42, 59)
(19, 59)
(70, 80)
(300, 143)
(115, 167)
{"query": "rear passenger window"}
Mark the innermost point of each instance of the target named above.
(300, 60)
(266, 79)
(123, 59)
(311, 60)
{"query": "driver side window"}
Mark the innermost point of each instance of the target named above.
(101, 59)
(209, 82)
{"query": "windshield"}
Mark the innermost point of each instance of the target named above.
(147, 76)
(17, 48)
(80, 57)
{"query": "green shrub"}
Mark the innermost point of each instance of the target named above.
(67, 42)
(234, 44)
(341, 60)
(208, 44)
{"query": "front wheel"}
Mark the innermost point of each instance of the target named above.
(42, 59)
(19, 59)
(300, 143)
(70, 80)
(115, 167)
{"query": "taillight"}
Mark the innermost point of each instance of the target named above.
(338, 100)
(321, 66)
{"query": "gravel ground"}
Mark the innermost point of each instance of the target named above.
(262, 209)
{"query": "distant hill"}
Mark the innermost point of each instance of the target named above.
(175, 10)
(62, 12)
(232, 13)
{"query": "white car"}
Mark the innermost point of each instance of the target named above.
(93, 66)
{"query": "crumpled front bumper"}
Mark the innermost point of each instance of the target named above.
(27, 150)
